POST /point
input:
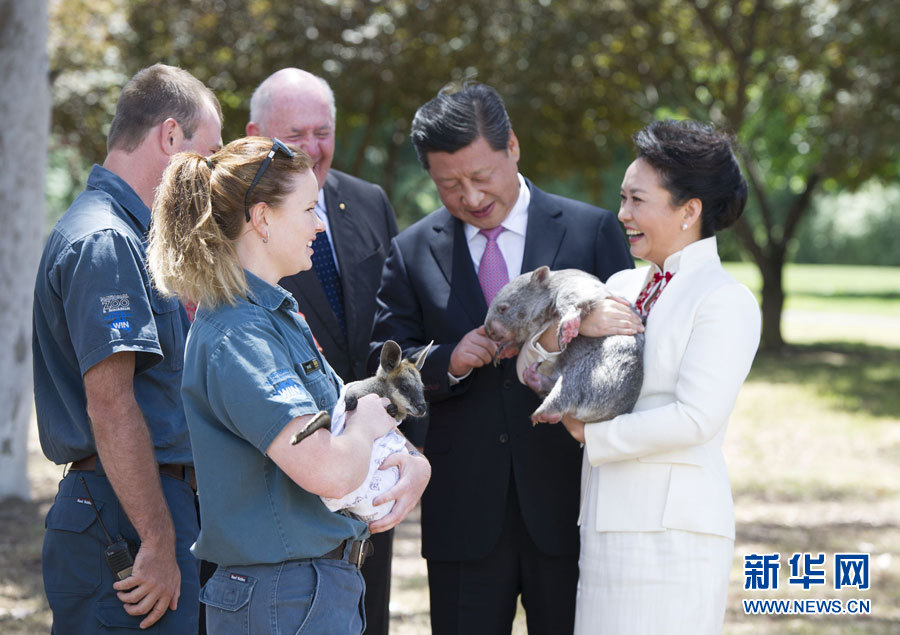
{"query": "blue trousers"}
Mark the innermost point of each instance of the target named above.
(311, 597)
(77, 580)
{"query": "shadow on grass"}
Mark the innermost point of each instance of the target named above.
(856, 377)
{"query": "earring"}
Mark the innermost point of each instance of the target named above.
(684, 226)
(266, 239)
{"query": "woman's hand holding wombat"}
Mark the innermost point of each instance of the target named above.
(612, 316)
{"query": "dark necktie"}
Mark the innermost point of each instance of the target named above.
(323, 262)
(492, 271)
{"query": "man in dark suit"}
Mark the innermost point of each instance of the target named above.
(337, 296)
(499, 517)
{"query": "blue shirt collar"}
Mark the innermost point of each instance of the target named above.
(114, 185)
(267, 296)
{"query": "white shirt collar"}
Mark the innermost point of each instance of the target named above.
(517, 219)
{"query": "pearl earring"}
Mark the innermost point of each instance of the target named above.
(684, 226)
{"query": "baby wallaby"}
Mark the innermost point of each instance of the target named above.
(594, 378)
(398, 380)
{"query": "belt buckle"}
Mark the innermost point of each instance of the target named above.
(360, 556)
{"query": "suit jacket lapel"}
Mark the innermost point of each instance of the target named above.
(451, 253)
(545, 231)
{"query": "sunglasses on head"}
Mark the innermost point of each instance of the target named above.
(276, 146)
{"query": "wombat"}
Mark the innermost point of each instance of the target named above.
(594, 378)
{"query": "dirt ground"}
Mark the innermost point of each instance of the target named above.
(767, 522)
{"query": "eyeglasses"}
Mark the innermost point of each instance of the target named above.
(276, 146)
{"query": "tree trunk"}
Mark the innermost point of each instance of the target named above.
(25, 113)
(772, 270)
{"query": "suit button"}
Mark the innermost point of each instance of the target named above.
(507, 384)
(504, 438)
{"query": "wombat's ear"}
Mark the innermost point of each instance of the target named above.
(420, 358)
(390, 355)
(541, 275)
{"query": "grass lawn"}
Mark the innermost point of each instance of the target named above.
(813, 450)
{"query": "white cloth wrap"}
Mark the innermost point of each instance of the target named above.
(377, 481)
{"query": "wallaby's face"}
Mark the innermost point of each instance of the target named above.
(403, 380)
(521, 307)
(406, 390)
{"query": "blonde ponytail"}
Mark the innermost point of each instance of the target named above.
(198, 215)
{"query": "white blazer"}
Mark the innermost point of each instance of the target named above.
(661, 466)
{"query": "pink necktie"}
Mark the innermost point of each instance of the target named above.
(492, 272)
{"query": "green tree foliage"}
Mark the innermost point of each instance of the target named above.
(810, 87)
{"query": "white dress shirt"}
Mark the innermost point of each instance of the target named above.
(512, 241)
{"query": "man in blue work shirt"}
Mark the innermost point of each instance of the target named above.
(108, 357)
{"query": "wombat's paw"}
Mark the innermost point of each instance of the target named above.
(392, 410)
(568, 329)
(350, 402)
(545, 417)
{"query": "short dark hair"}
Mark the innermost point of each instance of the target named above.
(454, 118)
(694, 160)
(153, 95)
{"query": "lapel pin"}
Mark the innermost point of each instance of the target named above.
(342, 206)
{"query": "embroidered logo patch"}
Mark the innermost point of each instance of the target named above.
(115, 303)
(121, 324)
(311, 366)
(116, 309)
(285, 382)
(238, 578)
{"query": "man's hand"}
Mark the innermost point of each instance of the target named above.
(126, 451)
(415, 472)
(474, 350)
(154, 584)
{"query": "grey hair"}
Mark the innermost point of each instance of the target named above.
(261, 100)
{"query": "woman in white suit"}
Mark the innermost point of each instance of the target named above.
(657, 521)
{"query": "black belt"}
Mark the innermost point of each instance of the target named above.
(181, 472)
(359, 551)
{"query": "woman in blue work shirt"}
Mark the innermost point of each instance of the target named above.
(225, 229)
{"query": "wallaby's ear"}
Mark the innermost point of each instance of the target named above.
(420, 359)
(390, 356)
(541, 275)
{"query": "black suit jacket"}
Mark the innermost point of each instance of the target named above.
(362, 224)
(480, 432)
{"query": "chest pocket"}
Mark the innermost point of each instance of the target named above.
(320, 388)
(169, 330)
